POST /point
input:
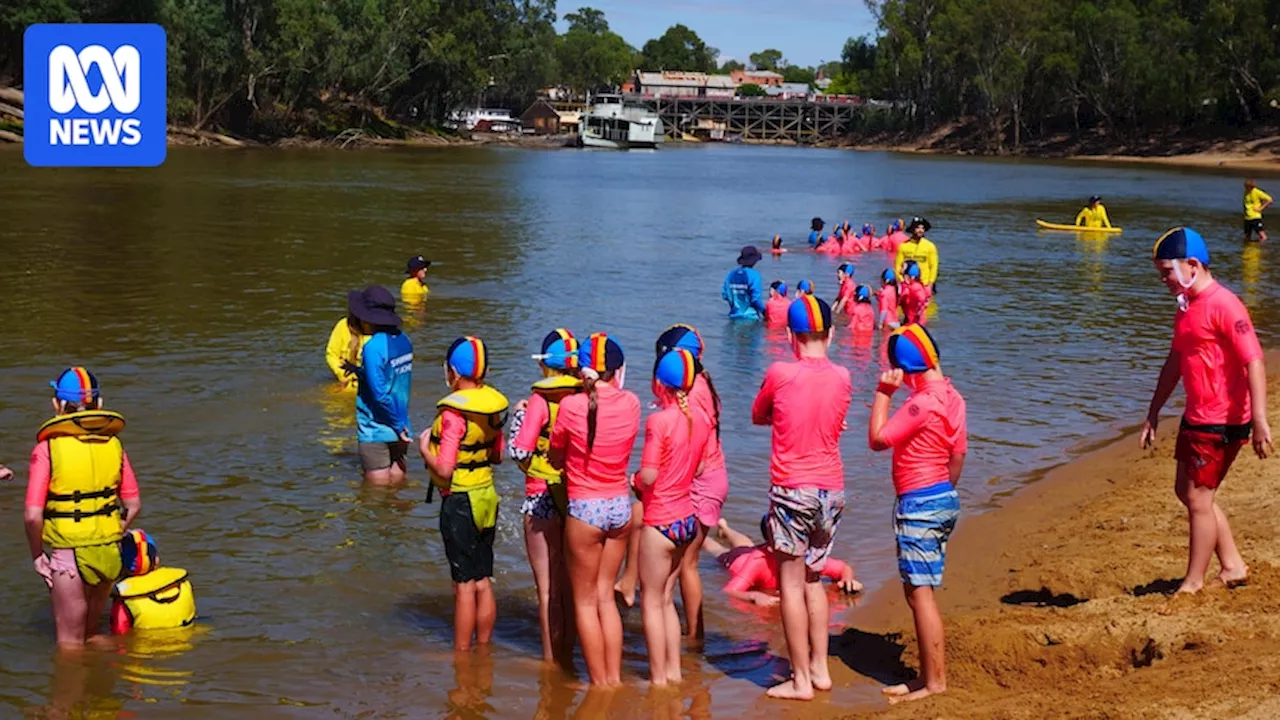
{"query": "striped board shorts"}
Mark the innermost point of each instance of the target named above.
(923, 521)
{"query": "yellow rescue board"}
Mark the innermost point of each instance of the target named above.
(1075, 228)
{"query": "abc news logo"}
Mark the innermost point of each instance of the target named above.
(104, 95)
(69, 89)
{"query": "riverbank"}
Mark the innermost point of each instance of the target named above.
(1055, 602)
(1257, 151)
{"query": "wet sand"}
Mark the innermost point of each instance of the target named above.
(1056, 605)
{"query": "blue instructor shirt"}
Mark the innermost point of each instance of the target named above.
(382, 402)
(744, 290)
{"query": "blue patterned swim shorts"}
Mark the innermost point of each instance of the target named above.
(923, 521)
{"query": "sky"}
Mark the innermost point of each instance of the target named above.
(807, 32)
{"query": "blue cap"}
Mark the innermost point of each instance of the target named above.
(866, 228)
(679, 336)
(846, 268)
(1181, 243)
(677, 369)
(808, 314)
(601, 353)
(888, 275)
(560, 350)
(913, 350)
(804, 286)
(468, 357)
(862, 294)
(780, 286)
(911, 269)
(76, 385)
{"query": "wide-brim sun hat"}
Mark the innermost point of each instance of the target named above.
(374, 305)
(920, 222)
(749, 256)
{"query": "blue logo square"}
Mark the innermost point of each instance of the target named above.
(95, 95)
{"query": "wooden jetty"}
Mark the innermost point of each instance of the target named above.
(800, 121)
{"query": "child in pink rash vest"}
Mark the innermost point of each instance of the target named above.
(753, 568)
(914, 295)
(1216, 354)
(862, 315)
(929, 438)
(775, 310)
(805, 402)
(888, 316)
(675, 440)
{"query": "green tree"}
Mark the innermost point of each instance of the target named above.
(747, 90)
(797, 74)
(770, 59)
(679, 48)
(591, 56)
(731, 65)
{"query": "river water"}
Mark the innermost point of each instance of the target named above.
(201, 293)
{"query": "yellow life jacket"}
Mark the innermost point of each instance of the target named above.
(160, 599)
(485, 411)
(85, 463)
(552, 389)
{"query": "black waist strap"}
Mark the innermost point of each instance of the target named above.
(77, 515)
(473, 465)
(77, 496)
(1229, 433)
(468, 447)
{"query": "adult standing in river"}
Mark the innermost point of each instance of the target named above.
(744, 288)
(922, 250)
(382, 397)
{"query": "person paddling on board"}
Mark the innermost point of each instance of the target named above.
(776, 247)
(1094, 215)
(1255, 201)
(82, 495)
(919, 248)
(744, 288)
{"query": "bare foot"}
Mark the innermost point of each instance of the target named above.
(1235, 579)
(790, 690)
(626, 595)
(907, 692)
(1189, 587)
(821, 681)
(674, 677)
(722, 526)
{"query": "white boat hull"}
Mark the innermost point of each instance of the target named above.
(616, 126)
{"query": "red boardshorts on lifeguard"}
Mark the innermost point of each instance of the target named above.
(1207, 451)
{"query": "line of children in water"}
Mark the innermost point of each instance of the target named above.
(903, 298)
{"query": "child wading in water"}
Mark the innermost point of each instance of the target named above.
(675, 440)
(862, 315)
(82, 496)
(1217, 355)
(591, 443)
(888, 315)
(805, 402)
(775, 310)
(545, 501)
(913, 294)
(460, 450)
(929, 438)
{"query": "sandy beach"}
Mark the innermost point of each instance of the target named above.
(1055, 602)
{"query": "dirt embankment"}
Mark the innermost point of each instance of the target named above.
(1055, 603)
(374, 131)
(1255, 151)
